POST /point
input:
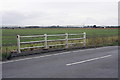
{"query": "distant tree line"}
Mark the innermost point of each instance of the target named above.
(94, 26)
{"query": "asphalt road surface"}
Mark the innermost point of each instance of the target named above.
(88, 63)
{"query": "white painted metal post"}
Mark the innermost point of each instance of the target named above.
(18, 43)
(45, 41)
(84, 36)
(66, 40)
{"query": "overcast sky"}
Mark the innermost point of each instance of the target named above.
(59, 12)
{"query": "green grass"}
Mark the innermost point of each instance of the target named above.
(9, 35)
(95, 37)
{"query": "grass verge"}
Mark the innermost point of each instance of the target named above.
(91, 43)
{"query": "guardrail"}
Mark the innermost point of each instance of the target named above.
(45, 41)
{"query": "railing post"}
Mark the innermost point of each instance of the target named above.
(66, 40)
(84, 36)
(45, 44)
(18, 43)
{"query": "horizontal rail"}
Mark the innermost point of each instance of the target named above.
(57, 35)
(49, 40)
(32, 36)
(32, 47)
(32, 42)
(48, 35)
(41, 41)
(76, 34)
(41, 35)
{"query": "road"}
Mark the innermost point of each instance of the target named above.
(88, 63)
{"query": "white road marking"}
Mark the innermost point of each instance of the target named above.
(49, 55)
(32, 58)
(88, 60)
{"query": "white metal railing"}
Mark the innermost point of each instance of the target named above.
(45, 41)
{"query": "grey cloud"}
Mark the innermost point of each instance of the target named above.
(18, 18)
(12, 17)
(62, 13)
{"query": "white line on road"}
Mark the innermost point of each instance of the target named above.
(32, 58)
(88, 60)
(49, 55)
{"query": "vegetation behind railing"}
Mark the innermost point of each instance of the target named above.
(95, 38)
